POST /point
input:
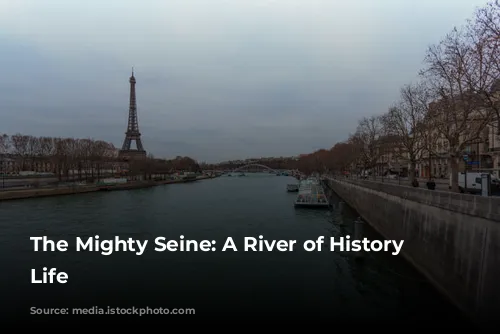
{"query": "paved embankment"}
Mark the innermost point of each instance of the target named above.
(30, 193)
(453, 239)
(59, 191)
(441, 184)
(23, 182)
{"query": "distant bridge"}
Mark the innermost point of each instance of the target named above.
(255, 165)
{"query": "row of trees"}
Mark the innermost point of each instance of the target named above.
(455, 101)
(59, 155)
(178, 164)
(151, 167)
(82, 158)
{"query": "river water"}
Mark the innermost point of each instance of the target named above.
(254, 285)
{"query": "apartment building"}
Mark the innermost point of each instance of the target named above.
(13, 164)
(482, 153)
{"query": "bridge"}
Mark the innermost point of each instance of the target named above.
(256, 166)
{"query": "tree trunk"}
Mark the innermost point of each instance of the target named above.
(413, 167)
(80, 171)
(59, 170)
(454, 164)
(430, 166)
(66, 171)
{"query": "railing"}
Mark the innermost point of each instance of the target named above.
(481, 206)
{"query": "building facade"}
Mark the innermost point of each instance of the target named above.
(481, 154)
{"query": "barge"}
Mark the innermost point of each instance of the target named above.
(311, 195)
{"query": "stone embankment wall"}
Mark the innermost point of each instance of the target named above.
(453, 239)
(31, 193)
(45, 192)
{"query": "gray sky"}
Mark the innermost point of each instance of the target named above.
(216, 79)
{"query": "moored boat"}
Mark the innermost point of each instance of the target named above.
(292, 187)
(311, 195)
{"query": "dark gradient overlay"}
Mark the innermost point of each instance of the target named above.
(248, 286)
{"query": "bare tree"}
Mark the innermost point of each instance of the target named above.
(47, 151)
(63, 156)
(149, 167)
(100, 156)
(5, 145)
(367, 135)
(343, 155)
(485, 27)
(47, 148)
(431, 141)
(404, 123)
(488, 18)
(85, 154)
(483, 74)
(458, 114)
(356, 154)
(33, 151)
(20, 149)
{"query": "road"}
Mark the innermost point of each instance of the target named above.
(23, 182)
(441, 184)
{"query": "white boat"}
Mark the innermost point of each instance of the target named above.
(292, 187)
(308, 183)
(311, 195)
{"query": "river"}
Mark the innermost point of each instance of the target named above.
(253, 285)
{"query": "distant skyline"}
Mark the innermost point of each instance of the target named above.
(216, 80)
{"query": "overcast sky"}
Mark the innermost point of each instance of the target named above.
(216, 79)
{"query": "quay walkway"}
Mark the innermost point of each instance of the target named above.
(441, 184)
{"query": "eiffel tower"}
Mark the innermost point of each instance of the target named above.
(132, 133)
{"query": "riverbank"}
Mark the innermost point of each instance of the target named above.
(60, 191)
